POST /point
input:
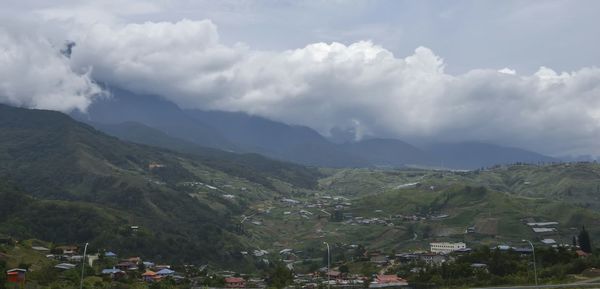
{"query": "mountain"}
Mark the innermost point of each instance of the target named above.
(243, 133)
(124, 106)
(138, 133)
(387, 152)
(294, 143)
(69, 183)
(473, 155)
(229, 131)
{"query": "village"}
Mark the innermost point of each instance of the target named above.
(112, 267)
(320, 219)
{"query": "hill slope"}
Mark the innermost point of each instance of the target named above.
(78, 184)
(138, 133)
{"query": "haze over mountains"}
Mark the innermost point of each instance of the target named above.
(154, 121)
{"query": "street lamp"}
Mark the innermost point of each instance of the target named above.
(328, 264)
(534, 268)
(83, 265)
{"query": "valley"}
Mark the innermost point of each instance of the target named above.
(144, 193)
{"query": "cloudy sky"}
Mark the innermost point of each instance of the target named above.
(517, 73)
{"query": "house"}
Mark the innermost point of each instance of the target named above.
(113, 273)
(75, 258)
(127, 266)
(148, 264)
(110, 254)
(332, 274)
(543, 230)
(462, 251)
(160, 267)
(542, 224)
(388, 281)
(65, 266)
(523, 251)
(16, 275)
(379, 260)
(150, 276)
(165, 272)
(40, 249)
(446, 247)
(235, 282)
(67, 250)
(548, 241)
(134, 260)
(407, 257)
(432, 258)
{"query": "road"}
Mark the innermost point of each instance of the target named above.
(570, 285)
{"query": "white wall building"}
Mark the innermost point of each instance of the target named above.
(446, 247)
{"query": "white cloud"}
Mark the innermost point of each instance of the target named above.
(325, 85)
(361, 86)
(507, 70)
(34, 74)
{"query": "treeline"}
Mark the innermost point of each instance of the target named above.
(492, 267)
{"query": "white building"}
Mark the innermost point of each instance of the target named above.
(446, 247)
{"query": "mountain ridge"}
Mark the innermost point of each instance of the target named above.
(244, 133)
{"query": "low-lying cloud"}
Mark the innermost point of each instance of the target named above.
(34, 73)
(361, 86)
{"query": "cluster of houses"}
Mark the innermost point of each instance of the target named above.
(320, 202)
(330, 205)
(543, 227)
(69, 257)
(336, 279)
(546, 232)
(152, 272)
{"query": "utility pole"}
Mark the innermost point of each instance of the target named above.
(534, 266)
(83, 265)
(328, 265)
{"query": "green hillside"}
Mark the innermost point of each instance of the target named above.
(577, 183)
(68, 183)
(229, 162)
(420, 206)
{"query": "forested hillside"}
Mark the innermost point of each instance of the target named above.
(68, 183)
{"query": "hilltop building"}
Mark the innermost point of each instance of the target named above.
(446, 247)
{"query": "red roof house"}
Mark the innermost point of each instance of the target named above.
(384, 281)
(16, 275)
(235, 282)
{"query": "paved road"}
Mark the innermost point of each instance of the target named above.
(586, 285)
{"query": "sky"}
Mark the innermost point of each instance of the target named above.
(515, 73)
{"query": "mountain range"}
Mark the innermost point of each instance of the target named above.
(130, 117)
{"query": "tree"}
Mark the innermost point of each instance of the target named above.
(344, 269)
(280, 277)
(584, 241)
